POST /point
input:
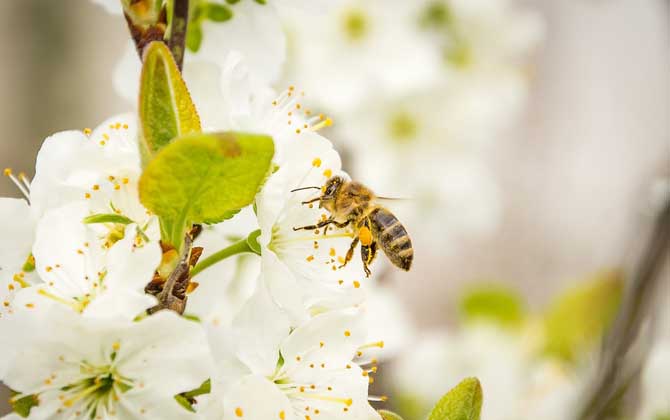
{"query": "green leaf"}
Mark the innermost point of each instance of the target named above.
(388, 415)
(663, 416)
(578, 318)
(493, 303)
(204, 178)
(217, 12)
(166, 109)
(194, 36)
(107, 218)
(187, 399)
(464, 402)
(252, 240)
(184, 402)
(204, 388)
(23, 405)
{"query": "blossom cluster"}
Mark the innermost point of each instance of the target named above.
(280, 328)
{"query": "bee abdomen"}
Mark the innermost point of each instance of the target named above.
(392, 237)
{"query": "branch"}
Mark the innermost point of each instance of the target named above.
(615, 374)
(178, 27)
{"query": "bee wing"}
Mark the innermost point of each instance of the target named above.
(392, 199)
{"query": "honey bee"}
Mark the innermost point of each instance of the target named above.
(352, 203)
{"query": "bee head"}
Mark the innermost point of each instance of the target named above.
(329, 192)
(330, 188)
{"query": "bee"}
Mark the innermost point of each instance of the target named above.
(352, 203)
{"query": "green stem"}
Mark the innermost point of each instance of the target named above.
(240, 247)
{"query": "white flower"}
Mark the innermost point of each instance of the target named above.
(521, 386)
(481, 35)
(225, 287)
(17, 231)
(268, 371)
(76, 270)
(360, 49)
(303, 268)
(82, 368)
(100, 166)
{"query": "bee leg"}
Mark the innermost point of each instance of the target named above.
(316, 226)
(368, 253)
(350, 252)
(311, 201)
(339, 225)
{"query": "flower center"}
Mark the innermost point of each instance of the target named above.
(355, 24)
(402, 127)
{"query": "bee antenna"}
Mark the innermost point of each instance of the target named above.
(306, 188)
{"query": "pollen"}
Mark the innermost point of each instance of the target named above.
(347, 333)
(105, 136)
(125, 126)
(316, 162)
(332, 252)
(96, 187)
(87, 195)
(357, 284)
(365, 236)
(116, 345)
(125, 180)
(239, 412)
(87, 131)
(328, 173)
(310, 258)
(282, 415)
(7, 171)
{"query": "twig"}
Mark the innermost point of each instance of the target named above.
(616, 370)
(177, 34)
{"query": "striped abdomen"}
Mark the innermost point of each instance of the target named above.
(392, 237)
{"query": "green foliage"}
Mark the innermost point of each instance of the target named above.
(188, 399)
(663, 416)
(493, 303)
(388, 415)
(463, 402)
(578, 318)
(204, 178)
(201, 12)
(23, 405)
(166, 109)
(217, 12)
(107, 218)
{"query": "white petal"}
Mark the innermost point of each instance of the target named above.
(256, 398)
(331, 338)
(255, 31)
(257, 332)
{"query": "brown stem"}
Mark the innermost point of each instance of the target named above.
(177, 35)
(172, 293)
(142, 32)
(618, 368)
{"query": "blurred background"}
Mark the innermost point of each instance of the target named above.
(533, 164)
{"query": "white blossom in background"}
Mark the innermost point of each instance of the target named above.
(266, 370)
(113, 368)
(358, 50)
(525, 386)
